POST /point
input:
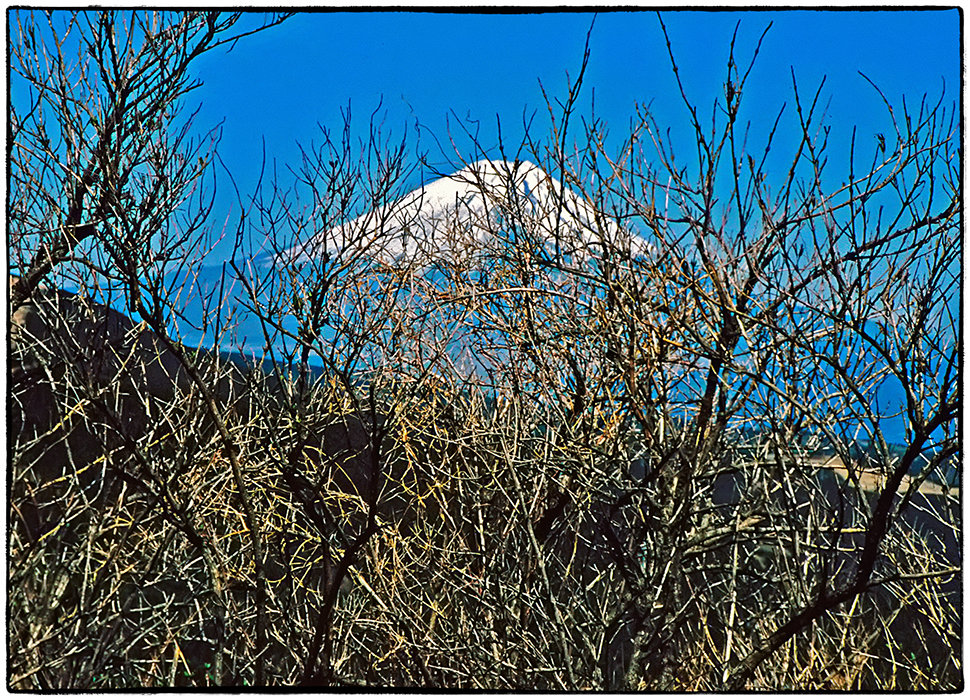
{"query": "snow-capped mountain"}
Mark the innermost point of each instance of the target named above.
(486, 203)
(481, 212)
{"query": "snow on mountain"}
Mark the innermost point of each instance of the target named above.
(487, 203)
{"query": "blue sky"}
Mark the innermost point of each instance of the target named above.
(431, 73)
(424, 69)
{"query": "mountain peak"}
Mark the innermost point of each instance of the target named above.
(486, 203)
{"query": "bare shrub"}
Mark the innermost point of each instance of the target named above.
(606, 420)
